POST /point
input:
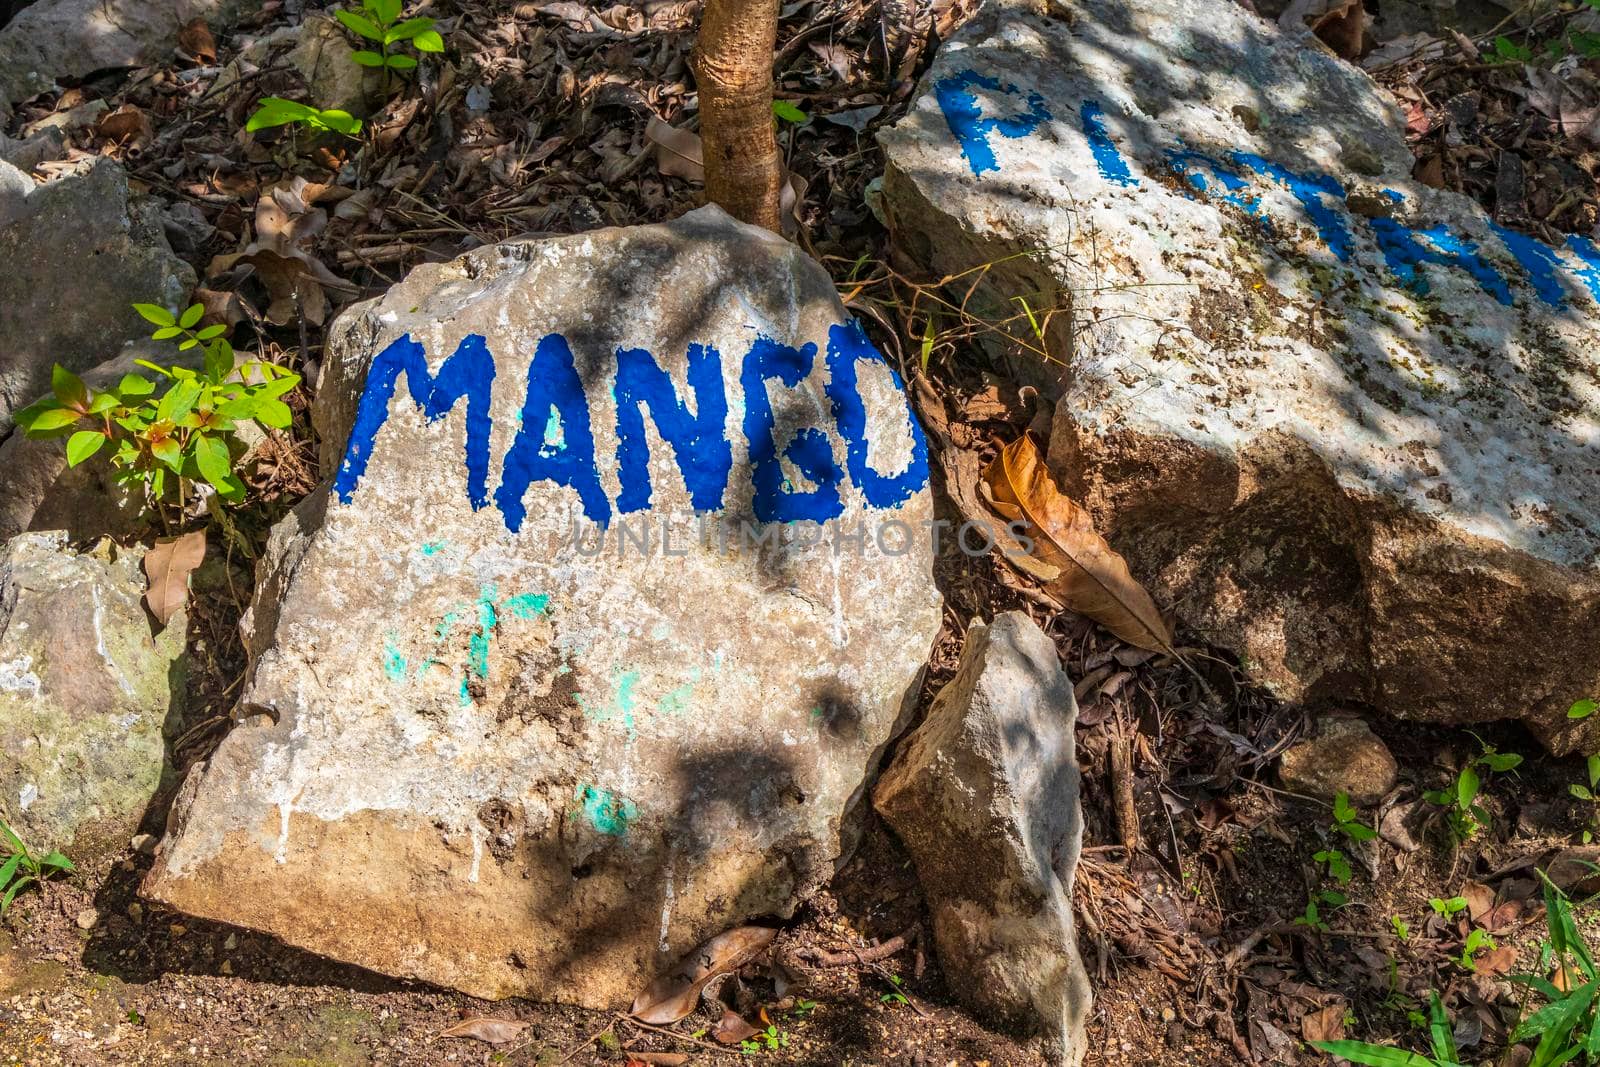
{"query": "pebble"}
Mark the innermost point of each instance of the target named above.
(143, 844)
(136, 911)
(231, 943)
(87, 918)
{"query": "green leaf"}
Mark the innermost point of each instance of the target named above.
(58, 861)
(9, 869)
(83, 444)
(275, 388)
(1502, 761)
(147, 365)
(1579, 791)
(1594, 771)
(401, 63)
(339, 121)
(219, 361)
(1358, 831)
(1372, 1055)
(191, 315)
(168, 451)
(16, 887)
(788, 112)
(104, 402)
(385, 10)
(359, 24)
(166, 333)
(1583, 709)
(428, 41)
(135, 385)
(179, 401)
(155, 314)
(276, 111)
(68, 387)
(273, 413)
(52, 419)
(367, 58)
(1466, 787)
(216, 330)
(408, 29)
(13, 842)
(211, 456)
(1342, 811)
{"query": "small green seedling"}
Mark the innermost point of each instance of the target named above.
(1445, 907)
(1441, 1038)
(787, 112)
(380, 24)
(803, 1007)
(1477, 941)
(1346, 820)
(1312, 917)
(895, 997)
(186, 435)
(276, 111)
(1463, 813)
(769, 1040)
(1569, 1023)
(22, 868)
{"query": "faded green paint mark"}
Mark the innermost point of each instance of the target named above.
(433, 548)
(677, 701)
(627, 698)
(607, 812)
(394, 664)
(527, 605)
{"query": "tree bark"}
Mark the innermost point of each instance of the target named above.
(733, 70)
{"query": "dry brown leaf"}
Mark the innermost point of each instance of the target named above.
(732, 1028)
(295, 279)
(678, 152)
(1094, 579)
(1324, 1025)
(167, 567)
(660, 1059)
(673, 995)
(490, 1031)
(126, 125)
(195, 39)
(1480, 900)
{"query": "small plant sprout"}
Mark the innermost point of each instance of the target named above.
(1346, 821)
(1441, 1039)
(1569, 1023)
(276, 111)
(23, 868)
(1323, 900)
(185, 436)
(896, 996)
(803, 1007)
(784, 111)
(1463, 813)
(1400, 928)
(1445, 908)
(1476, 942)
(378, 21)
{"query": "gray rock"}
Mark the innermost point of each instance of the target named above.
(984, 794)
(322, 54)
(480, 754)
(1342, 756)
(38, 491)
(85, 694)
(91, 254)
(70, 39)
(28, 152)
(1340, 420)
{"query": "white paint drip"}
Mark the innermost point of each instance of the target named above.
(477, 856)
(28, 795)
(282, 854)
(841, 632)
(100, 642)
(666, 905)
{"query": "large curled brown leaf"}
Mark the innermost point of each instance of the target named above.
(673, 995)
(168, 565)
(1094, 578)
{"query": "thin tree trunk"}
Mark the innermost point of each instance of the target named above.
(733, 69)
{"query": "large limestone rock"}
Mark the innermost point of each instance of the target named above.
(985, 796)
(487, 749)
(1338, 420)
(70, 39)
(86, 692)
(90, 255)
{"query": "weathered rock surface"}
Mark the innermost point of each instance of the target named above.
(52, 39)
(38, 491)
(85, 693)
(985, 796)
(1339, 420)
(514, 763)
(90, 255)
(1342, 756)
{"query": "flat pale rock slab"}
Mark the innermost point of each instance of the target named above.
(531, 710)
(1340, 421)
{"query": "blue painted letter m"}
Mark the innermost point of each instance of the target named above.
(469, 373)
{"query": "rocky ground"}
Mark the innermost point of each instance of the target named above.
(1206, 800)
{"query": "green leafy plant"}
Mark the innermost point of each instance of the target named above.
(1508, 51)
(769, 1040)
(276, 111)
(1476, 942)
(379, 21)
(1346, 821)
(1445, 907)
(896, 996)
(1312, 917)
(186, 435)
(1464, 815)
(1568, 1024)
(1400, 928)
(787, 112)
(1441, 1039)
(22, 868)
(803, 1007)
